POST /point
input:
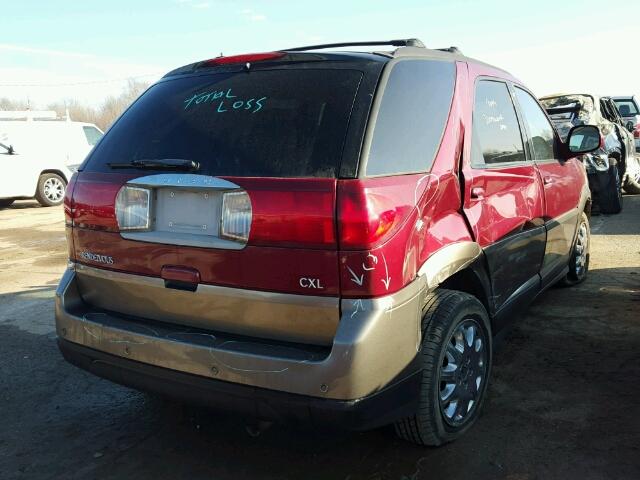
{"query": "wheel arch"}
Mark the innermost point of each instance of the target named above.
(56, 171)
(473, 281)
(619, 156)
(461, 267)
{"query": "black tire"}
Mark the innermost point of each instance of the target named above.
(610, 195)
(6, 202)
(632, 186)
(50, 191)
(445, 313)
(579, 260)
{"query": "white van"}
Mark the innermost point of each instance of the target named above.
(39, 154)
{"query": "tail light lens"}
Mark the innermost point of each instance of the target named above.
(133, 206)
(236, 216)
(365, 218)
(68, 201)
(290, 212)
(636, 131)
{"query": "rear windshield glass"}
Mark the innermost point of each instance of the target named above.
(567, 103)
(567, 111)
(626, 107)
(269, 123)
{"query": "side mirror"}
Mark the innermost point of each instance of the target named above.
(630, 126)
(584, 139)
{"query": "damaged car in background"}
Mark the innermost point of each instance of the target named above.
(629, 110)
(613, 166)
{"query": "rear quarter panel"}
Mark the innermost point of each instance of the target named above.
(435, 220)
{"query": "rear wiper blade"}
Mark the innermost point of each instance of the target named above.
(159, 164)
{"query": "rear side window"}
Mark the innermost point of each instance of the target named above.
(264, 123)
(540, 129)
(92, 134)
(496, 133)
(412, 116)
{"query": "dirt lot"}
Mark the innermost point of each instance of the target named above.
(563, 402)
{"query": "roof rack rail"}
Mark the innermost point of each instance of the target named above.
(407, 42)
(450, 50)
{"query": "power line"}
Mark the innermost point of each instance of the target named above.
(72, 84)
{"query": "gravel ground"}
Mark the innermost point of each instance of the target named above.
(563, 400)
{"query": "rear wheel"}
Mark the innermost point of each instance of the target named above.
(6, 202)
(579, 260)
(611, 193)
(456, 362)
(51, 188)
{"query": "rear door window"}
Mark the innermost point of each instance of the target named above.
(412, 116)
(496, 134)
(264, 123)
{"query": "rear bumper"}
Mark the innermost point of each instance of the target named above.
(381, 408)
(374, 347)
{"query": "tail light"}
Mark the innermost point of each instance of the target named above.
(68, 217)
(292, 212)
(236, 216)
(366, 217)
(636, 131)
(133, 208)
(68, 201)
(265, 212)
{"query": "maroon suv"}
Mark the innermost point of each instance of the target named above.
(323, 236)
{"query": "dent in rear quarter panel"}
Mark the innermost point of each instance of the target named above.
(433, 223)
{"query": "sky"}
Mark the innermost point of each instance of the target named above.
(52, 50)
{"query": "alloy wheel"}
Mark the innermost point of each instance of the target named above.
(53, 189)
(463, 372)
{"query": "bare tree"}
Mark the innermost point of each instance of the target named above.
(8, 104)
(113, 107)
(105, 114)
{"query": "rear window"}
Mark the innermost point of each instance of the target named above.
(568, 104)
(567, 111)
(626, 108)
(265, 123)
